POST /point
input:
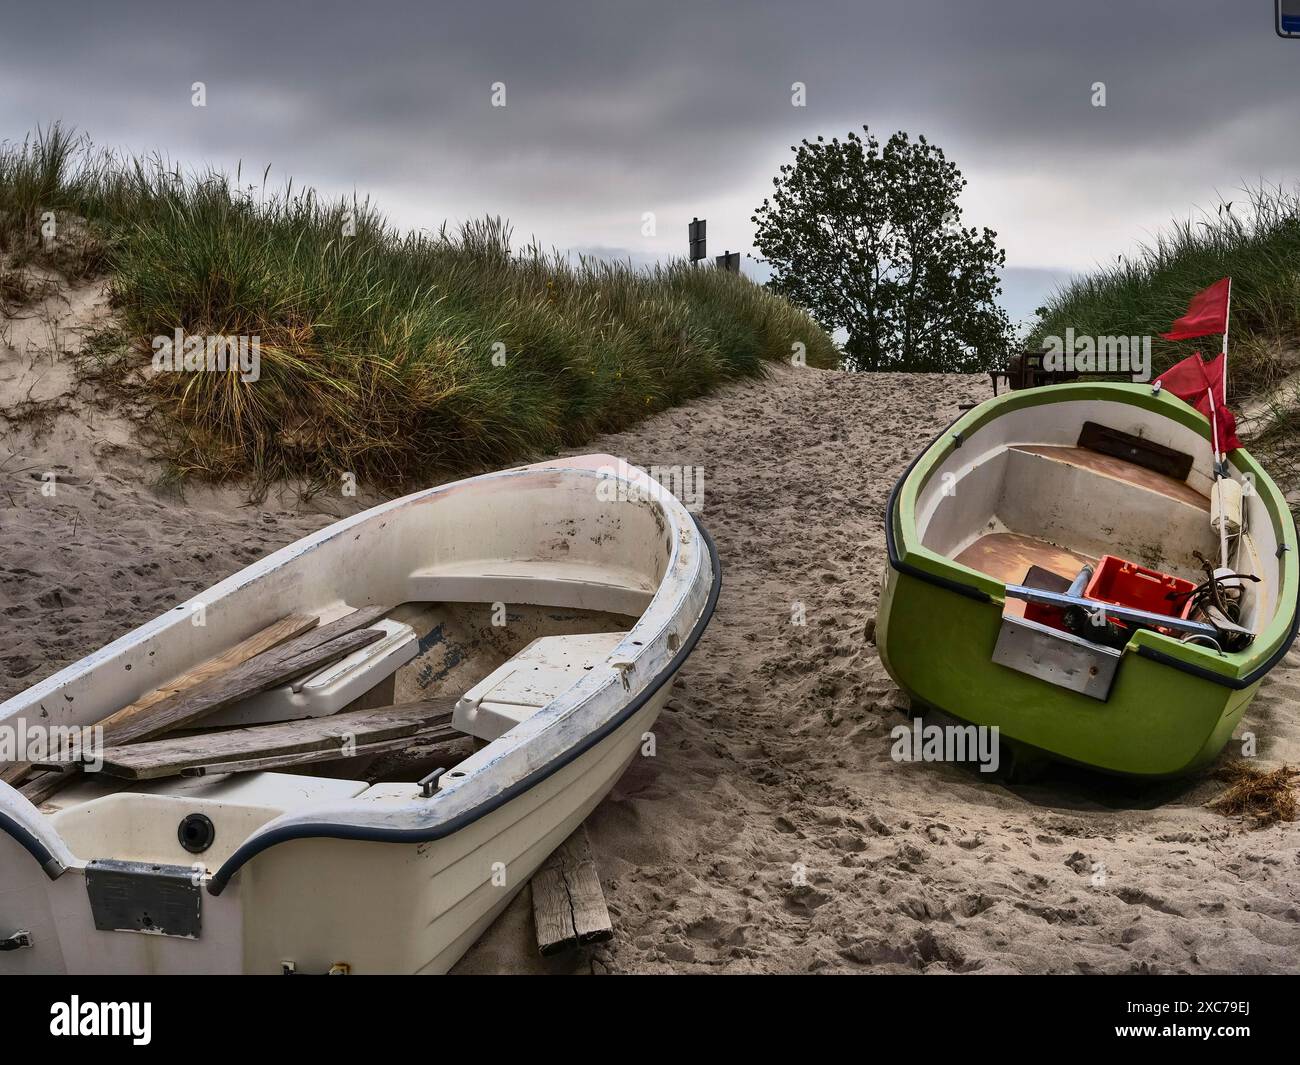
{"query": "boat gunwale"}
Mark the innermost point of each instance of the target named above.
(1237, 670)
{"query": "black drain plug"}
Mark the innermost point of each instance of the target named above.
(196, 833)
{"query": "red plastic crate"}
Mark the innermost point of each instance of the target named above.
(1128, 584)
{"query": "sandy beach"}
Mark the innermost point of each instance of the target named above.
(772, 832)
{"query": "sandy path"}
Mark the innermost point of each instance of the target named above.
(772, 832)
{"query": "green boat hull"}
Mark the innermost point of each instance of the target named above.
(1157, 722)
(1167, 713)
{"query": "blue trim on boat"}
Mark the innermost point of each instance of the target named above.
(48, 860)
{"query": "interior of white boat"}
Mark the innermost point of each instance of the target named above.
(545, 577)
(495, 666)
(1054, 488)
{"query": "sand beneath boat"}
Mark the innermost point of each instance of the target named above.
(772, 831)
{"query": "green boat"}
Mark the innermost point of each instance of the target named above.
(998, 534)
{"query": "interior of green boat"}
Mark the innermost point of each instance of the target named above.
(1009, 555)
(1012, 509)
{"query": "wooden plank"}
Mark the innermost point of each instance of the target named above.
(436, 737)
(213, 695)
(258, 674)
(287, 628)
(314, 737)
(568, 903)
(311, 651)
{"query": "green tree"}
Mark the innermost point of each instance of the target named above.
(870, 240)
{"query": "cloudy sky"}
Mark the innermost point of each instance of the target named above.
(684, 108)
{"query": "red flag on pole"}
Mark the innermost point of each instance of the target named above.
(1196, 382)
(1207, 314)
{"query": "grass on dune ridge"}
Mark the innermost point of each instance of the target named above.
(376, 346)
(1254, 239)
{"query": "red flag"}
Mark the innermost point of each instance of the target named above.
(1207, 314)
(1195, 381)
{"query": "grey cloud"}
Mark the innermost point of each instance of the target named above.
(618, 108)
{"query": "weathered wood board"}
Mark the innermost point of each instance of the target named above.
(310, 651)
(568, 903)
(287, 628)
(312, 739)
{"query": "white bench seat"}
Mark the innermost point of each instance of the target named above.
(517, 689)
(575, 585)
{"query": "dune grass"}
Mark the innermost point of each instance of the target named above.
(1254, 239)
(388, 355)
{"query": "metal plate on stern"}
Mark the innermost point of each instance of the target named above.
(1056, 656)
(160, 900)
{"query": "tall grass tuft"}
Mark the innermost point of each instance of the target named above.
(1254, 239)
(377, 346)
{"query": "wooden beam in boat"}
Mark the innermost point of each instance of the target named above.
(1119, 469)
(287, 628)
(306, 653)
(568, 902)
(314, 739)
(311, 651)
(453, 750)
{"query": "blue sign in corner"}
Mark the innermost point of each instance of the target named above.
(1288, 18)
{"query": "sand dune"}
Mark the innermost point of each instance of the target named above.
(772, 832)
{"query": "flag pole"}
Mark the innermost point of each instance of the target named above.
(1199, 321)
(1221, 458)
(1227, 316)
(1217, 476)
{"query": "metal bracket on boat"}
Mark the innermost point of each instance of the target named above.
(957, 440)
(1056, 656)
(624, 665)
(1120, 613)
(20, 940)
(1282, 549)
(429, 784)
(160, 900)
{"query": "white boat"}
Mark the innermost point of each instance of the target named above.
(553, 602)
